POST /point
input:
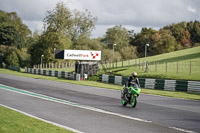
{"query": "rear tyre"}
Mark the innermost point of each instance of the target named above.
(134, 101)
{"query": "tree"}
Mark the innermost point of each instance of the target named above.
(9, 35)
(46, 45)
(117, 35)
(12, 59)
(74, 25)
(128, 52)
(107, 56)
(23, 32)
(3, 50)
(63, 29)
(196, 32)
(58, 19)
(83, 24)
(181, 33)
(163, 42)
(141, 39)
(12, 31)
(24, 57)
(14, 36)
(88, 44)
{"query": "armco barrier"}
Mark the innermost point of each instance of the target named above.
(181, 85)
(44, 72)
(158, 84)
(124, 80)
(142, 82)
(193, 87)
(53, 73)
(150, 83)
(100, 77)
(118, 80)
(111, 79)
(170, 85)
(39, 71)
(56, 74)
(47, 72)
(61, 74)
(14, 68)
(105, 78)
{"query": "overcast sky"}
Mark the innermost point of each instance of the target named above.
(132, 14)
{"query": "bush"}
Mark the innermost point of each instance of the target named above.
(94, 78)
(12, 59)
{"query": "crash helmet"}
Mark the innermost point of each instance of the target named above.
(134, 74)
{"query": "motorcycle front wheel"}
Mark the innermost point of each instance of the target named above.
(124, 103)
(133, 101)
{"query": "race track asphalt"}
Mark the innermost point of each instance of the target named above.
(99, 110)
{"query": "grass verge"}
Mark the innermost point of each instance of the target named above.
(184, 95)
(15, 122)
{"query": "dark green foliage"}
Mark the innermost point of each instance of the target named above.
(64, 29)
(196, 32)
(167, 39)
(186, 33)
(117, 35)
(12, 59)
(128, 52)
(88, 44)
(163, 42)
(8, 35)
(12, 31)
(14, 37)
(141, 39)
(94, 78)
(22, 59)
(72, 24)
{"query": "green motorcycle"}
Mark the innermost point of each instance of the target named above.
(131, 96)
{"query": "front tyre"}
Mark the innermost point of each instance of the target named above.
(124, 103)
(133, 101)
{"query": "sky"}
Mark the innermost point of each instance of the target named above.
(131, 14)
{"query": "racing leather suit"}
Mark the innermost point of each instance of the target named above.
(130, 80)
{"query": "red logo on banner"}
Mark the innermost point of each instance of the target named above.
(94, 55)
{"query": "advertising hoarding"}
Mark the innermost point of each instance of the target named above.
(82, 55)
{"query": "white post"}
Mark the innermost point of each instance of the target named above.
(146, 45)
(113, 53)
(41, 60)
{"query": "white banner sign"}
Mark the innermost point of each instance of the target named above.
(82, 55)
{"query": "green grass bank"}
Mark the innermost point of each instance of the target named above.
(183, 64)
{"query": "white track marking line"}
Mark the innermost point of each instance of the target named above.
(183, 130)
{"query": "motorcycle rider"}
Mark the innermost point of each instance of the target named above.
(130, 81)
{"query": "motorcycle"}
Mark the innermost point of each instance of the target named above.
(131, 96)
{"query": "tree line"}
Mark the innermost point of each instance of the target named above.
(71, 29)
